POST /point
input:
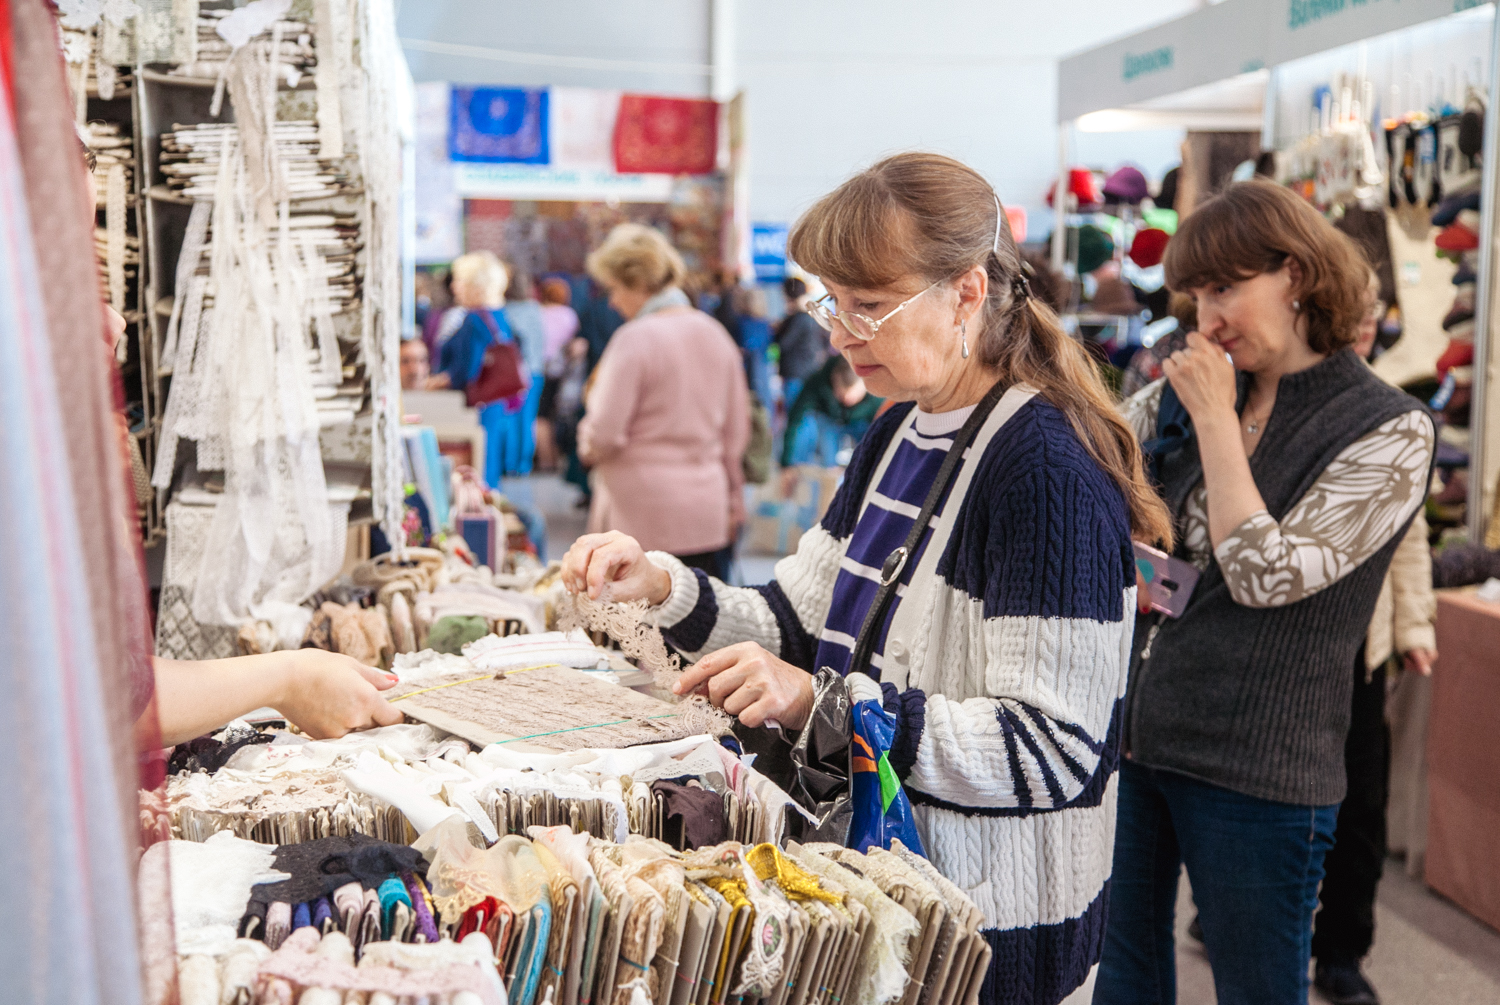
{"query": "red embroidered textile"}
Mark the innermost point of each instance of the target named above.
(666, 135)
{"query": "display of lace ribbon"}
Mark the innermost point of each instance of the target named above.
(630, 627)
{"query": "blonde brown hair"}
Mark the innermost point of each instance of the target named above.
(931, 216)
(483, 272)
(1254, 227)
(637, 258)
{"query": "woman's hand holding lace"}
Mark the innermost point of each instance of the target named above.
(613, 567)
(748, 682)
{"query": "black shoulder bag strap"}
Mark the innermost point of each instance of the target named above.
(895, 563)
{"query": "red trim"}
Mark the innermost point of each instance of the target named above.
(7, 55)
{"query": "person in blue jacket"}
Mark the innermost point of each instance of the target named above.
(479, 281)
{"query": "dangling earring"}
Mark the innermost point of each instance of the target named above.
(963, 334)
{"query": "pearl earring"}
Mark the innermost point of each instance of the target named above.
(1296, 305)
(963, 334)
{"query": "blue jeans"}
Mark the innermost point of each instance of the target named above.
(1254, 866)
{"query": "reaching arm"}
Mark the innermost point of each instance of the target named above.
(324, 694)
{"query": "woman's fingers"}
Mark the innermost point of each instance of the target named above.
(577, 561)
(756, 714)
(706, 668)
(725, 685)
(386, 714)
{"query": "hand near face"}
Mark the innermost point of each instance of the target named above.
(1203, 378)
(748, 682)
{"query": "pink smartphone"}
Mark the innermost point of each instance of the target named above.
(1167, 581)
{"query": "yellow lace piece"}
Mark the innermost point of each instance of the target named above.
(732, 890)
(797, 883)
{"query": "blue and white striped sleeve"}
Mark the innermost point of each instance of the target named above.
(1047, 563)
(703, 614)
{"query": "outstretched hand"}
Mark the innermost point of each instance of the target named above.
(613, 567)
(749, 683)
(329, 694)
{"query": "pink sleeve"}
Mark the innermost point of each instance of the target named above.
(736, 438)
(605, 427)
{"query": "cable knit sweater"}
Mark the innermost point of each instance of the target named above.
(1004, 662)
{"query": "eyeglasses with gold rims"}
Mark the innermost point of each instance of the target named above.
(858, 325)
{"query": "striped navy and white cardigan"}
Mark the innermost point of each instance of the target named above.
(1004, 661)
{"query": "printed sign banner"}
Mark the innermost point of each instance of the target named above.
(499, 125)
(666, 135)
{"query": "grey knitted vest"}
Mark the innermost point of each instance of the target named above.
(1257, 699)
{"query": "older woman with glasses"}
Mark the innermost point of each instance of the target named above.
(974, 573)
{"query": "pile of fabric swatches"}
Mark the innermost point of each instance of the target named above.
(117, 249)
(396, 782)
(296, 55)
(191, 154)
(554, 917)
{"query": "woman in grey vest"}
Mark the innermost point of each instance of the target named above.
(1291, 472)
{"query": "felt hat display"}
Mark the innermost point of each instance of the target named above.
(1148, 247)
(1448, 210)
(1460, 235)
(1457, 354)
(1081, 186)
(1094, 248)
(1462, 331)
(1166, 196)
(1114, 296)
(1126, 185)
(1459, 314)
(1162, 219)
(1471, 132)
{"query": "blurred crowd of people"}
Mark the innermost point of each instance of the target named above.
(671, 400)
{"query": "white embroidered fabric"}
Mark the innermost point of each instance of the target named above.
(243, 389)
(382, 116)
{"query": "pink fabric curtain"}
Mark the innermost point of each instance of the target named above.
(73, 619)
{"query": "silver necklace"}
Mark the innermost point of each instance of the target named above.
(1254, 426)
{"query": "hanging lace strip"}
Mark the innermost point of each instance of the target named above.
(375, 105)
(104, 75)
(166, 31)
(114, 229)
(243, 388)
(78, 50)
(332, 63)
(187, 305)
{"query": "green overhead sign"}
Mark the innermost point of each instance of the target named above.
(1147, 62)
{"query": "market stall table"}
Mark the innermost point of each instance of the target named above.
(1463, 838)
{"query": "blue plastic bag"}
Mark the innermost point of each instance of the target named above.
(882, 810)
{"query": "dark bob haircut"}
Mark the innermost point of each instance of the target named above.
(1254, 227)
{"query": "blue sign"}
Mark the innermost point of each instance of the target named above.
(768, 250)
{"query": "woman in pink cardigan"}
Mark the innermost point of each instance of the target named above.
(668, 417)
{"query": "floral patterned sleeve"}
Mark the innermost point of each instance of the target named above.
(1139, 410)
(1360, 502)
